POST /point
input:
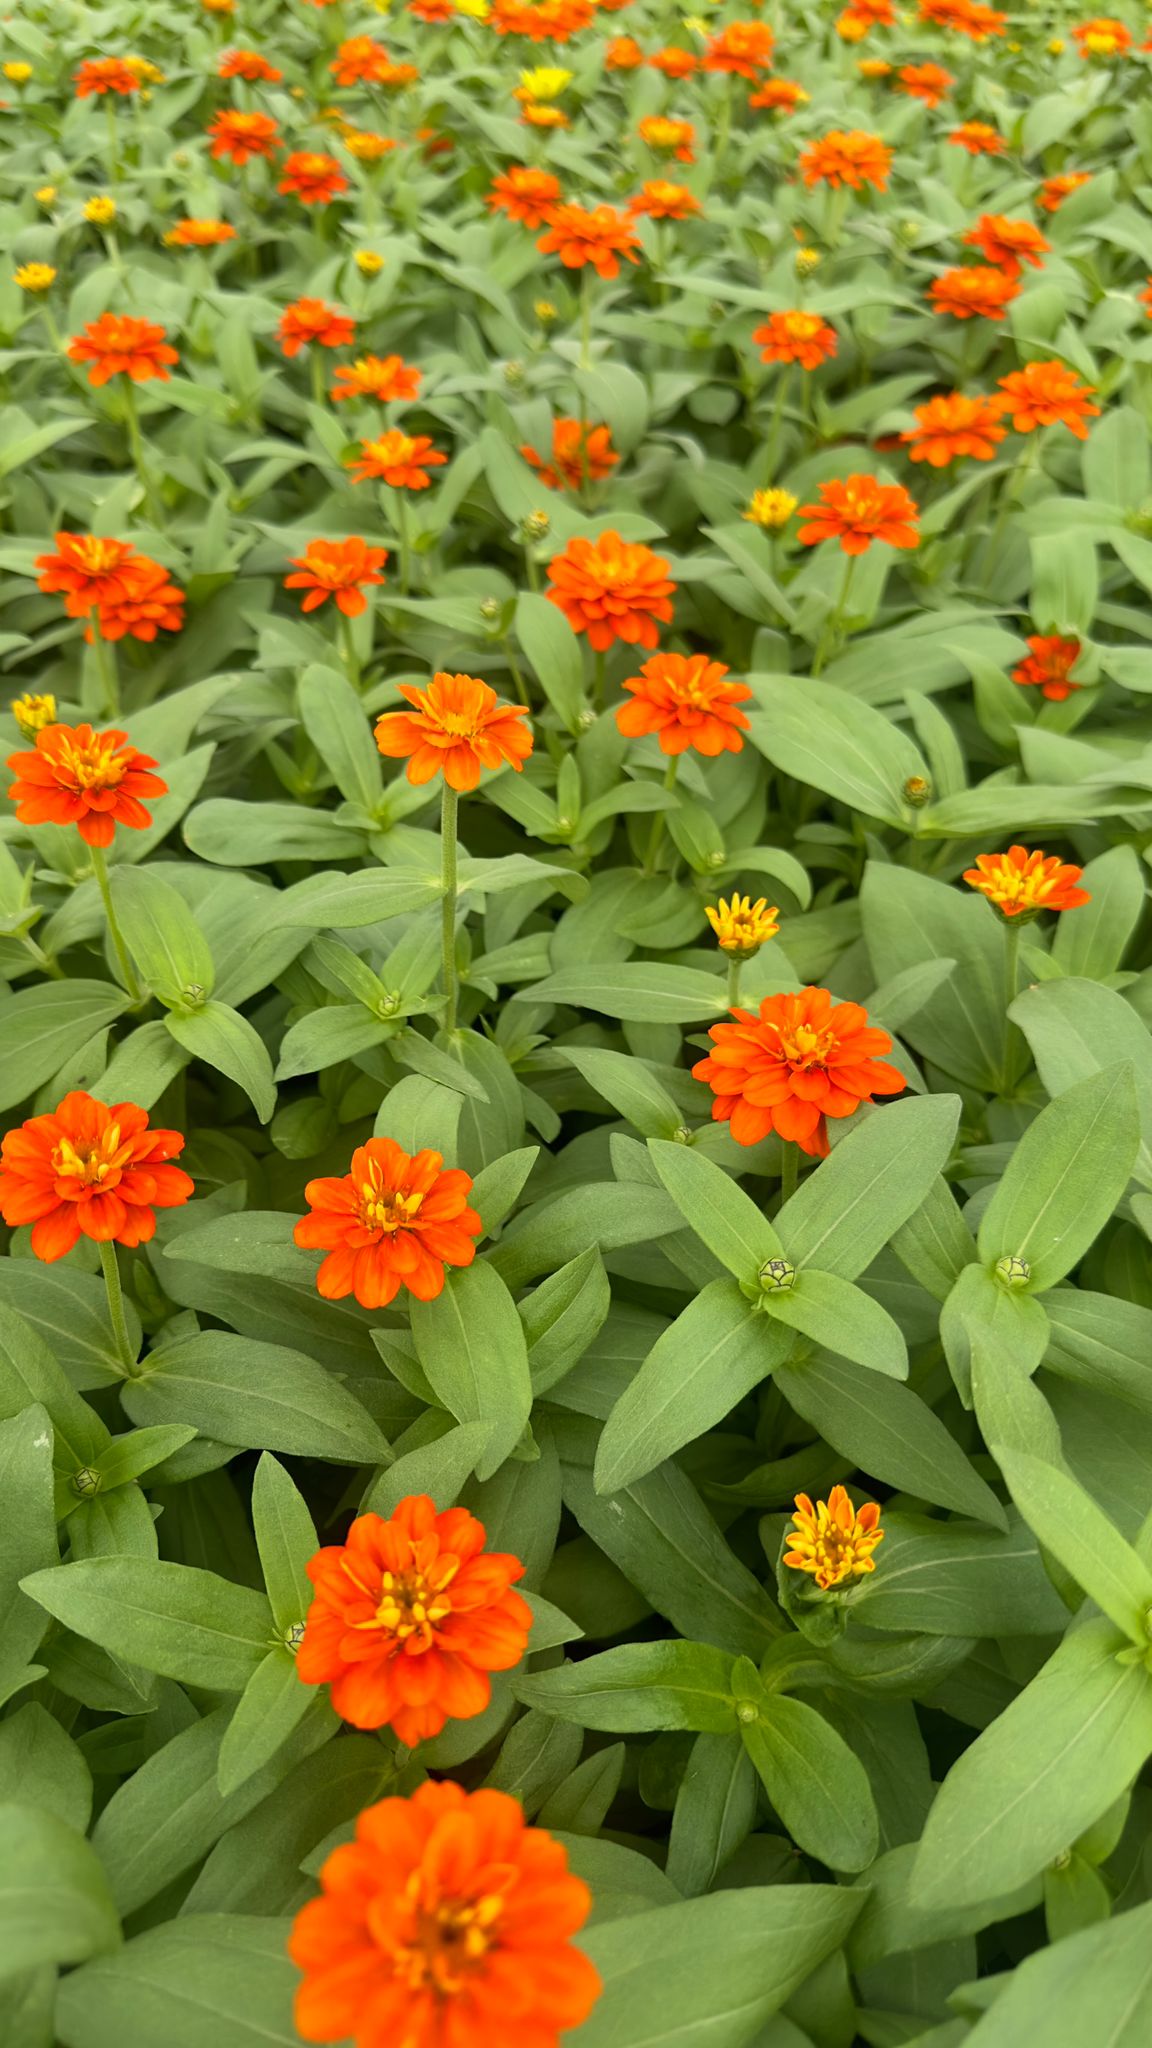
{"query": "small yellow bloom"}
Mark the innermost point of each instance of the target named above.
(476, 10)
(696, 25)
(34, 277)
(740, 925)
(831, 1541)
(1015, 48)
(33, 713)
(1057, 46)
(807, 260)
(147, 72)
(366, 147)
(546, 82)
(368, 263)
(545, 311)
(18, 74)
(771, 508)
(851, 28)
(545, 117)
(101, 210)
(218, 6)
(873, 67)
(1099, 44)
(45, 196)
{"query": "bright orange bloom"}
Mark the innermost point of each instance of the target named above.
(744, 48)
(858, 510)
(674, 62)
(101, 75)
(147, 603)
(435, 12)
(978, 138)
(612, 589)
(847, 157)
(199, 234)
(802, 1060)
(539, 116)
(524, 194)
(580, 454)
(1103, 36)
(1054, 191)
(408, 1618)
(1009, 244)
(1050, 664)
(456, 727)
(87, 1170)
(447, 1923)
(979, 292)
(1145, 298)
(402, 460)
(360, 60)
(394, 1221)
(365, 146)
(342, 569)
(948, 428)
(779, 96)
(623, 53)
(1021, 884)
(386, 378)
(874, 13)
(313, 323)
(93, 780)
(598, 235)
(927, 82)
(688, 701)
(874, 67)
(87, 569)
(662, 199)
(116, 345)
(1047, 394)
(671, 138)
(541, 21)
(832, 1541)
(316, 179)
(236, 136)
(965, 17)
(796, 337)
(248, 65)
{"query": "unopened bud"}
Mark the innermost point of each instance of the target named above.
(1013, 1272)
(490, 607)
(777, 1275)
(294, 1636)
(514, 372)
(747, 1712)
(86, 1482)
(917, 791)
(537, 525)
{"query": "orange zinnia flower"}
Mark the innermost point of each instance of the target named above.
(1022, 884)
(524, 194)
(858, 510)
(1050, 664)
(248, 65)
(1047, 394)
(978, 138)
(796, 337)
(146, 603)
(978, 292)
(674, 62)
(435, 12)
(313, 323)
(93, 780)
(1103, 36)
(102, 75)
(237, 137)
(384, 377)
(688, 701)
(671, 138)
(117, 345)
(402, 460)
(623, 53)
(580, 454)
(447, 1923)
(88, 569)
(948, 428)
(612, 589)
(743, 48)
(779, 95)
(342, 569)
(547, 21)
(851, 157)
(313, 177)
(394, 1221)
(1008, 243)
(598, 235)
(408, 1618)
(1054, 191)
(875, 13)
(360, 60)
(831, 1540)
(199, 234)
(87, 1170)
(927, 82)
(966, 17)
(457, 726)
(802, 1060)
(661, 199)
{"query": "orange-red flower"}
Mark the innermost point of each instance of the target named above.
(623, 53)
(101, 75)
(951, 427)
(386, 378)
(1050, 664)
(927, 82)
(447, 1923)
(688, 701)
(435, 12)
(674, 62)
(342, 569)
(979, 292)
(965, 17)
(858, 510)
(456, 727)
(116, 345)
(199, 234)
(1009, 244)
(847, 157)
(662, 199)
(802, 1060)
(314, 177)
(744, 48)
(1021, 884)
(360, 60)
(612, 589)
(1054, 191)
(88, 1170)
(669, 137)
(796, 337)
(541, 21)
(87, 570)
(238, 136)
(779, 96)
(1103, 36)
(599, 235)
(874, 13)
(979, 138)
(146, 603)
(313, 323)
(831, 1541)
(248, 65)
(93, 780)
(402, 460)
(524, 194)
(394, 1221)
(408, 1618)
(580, 454)
(1047, 395)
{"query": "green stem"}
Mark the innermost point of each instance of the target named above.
(586, 288)
(449, 807)
(599, 670)
(113, 147)
(316, 368)
(530, 568)
(116, 1317)
(515, 670)
(348, 651)
(127, 971)
(657, 832)
(106, 667)
(735, 965)
(831, 629)
(44, 961)
(402, 530)
(776, 424)
(136, 444)
(789, 1172)
(1011, 987)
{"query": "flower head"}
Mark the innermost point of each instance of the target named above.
(779, 96)
(447, 1922)
(544, 83)
(623, 53)
(35, 277)
(101, 75)
(402, 460)
(743, 48)
(100, 210)
(361, 61)
(1045, 395)
(662, 199)
(313, 323)
(978, 292)
(89, 1170)
(366, 147)
(742, 926)
(88, 569)
(927, 82)
(772, 509)
(368, 262)
(948, 428)
(979, 138)
(1054, 191)
(456, 727)
(796, 337)
(858, 510)
(145, 603)
(674, 62)
(248, 65)
(1103, 36)
(199, 234)
(832, 1540)
(342, 569)
(524, 194)
(45, 195)
(669, 137)
(17, 73)
(93, 780)
(314, 177)
(599, 235)
(1050, 662)
(802, 1060)
(394, 1221)
(1021, 884)
(238, 136)
(581, 454)
(386, 378)
(1008, 243)
(612, 589)
(689, 702)
(116, 345)
(32, 713)
(847, 157)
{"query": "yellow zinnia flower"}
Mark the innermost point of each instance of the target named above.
(740, 925)
(34, 277)
(546, 82)
(101, 210)
(771, 508)
(33, 713)
(18, 74)
(831, 1540)
(368, 263)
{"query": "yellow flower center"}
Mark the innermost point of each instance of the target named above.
(92, 767)
(387, 1209)
(412, 1603)
(804, 1046)
(89, 1164)
(450, 1936)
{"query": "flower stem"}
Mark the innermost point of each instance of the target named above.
(316, 369)
(127, 971)
(586, 276)
(348, 651)
(113, 147)
(789, 1173)
(449, 807)
(112, 1283)
(777, 422)
(136, 444)
(599, 669)
(405, 543)
(1011, 986)
(106, 665)
(735, 964)
(831, 631)
(657, 832)
(515, 670)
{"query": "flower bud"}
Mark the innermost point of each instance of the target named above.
(294, 1636)
(777, 1276)
(33, 713)
(537, 525)
(917, 791)
(1013, 1272)
(490, 608)
(86, 1482)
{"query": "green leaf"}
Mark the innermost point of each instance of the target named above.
(55, 1906)
(833, 741)
(1075, 1029)
(1065, 1177)
(555, 653)
(715, 1811)
(1067, 1521)
(41, 1028)
(562, 1316)
(441, 1469)
(1091, 941)
(910, 918)
(270, 1709)
(639, 1686)
(841, 1318)
(873, 1180)
(332, 715)
(40, 1765)
(27, 1537)
(1095, 1986)
(173, 1619)
(341, 902)
(639, 992)
(605, 1213)
(630, 1087)
(196, 1982)
(470, 1342)
(162, 936)
(223, 1039)
(816, 1784)
(722, 1215)
(956, 1579)
(286, 1540)
(261, 1397)
(58, 1318)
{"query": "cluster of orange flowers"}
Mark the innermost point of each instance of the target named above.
(118, 591)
